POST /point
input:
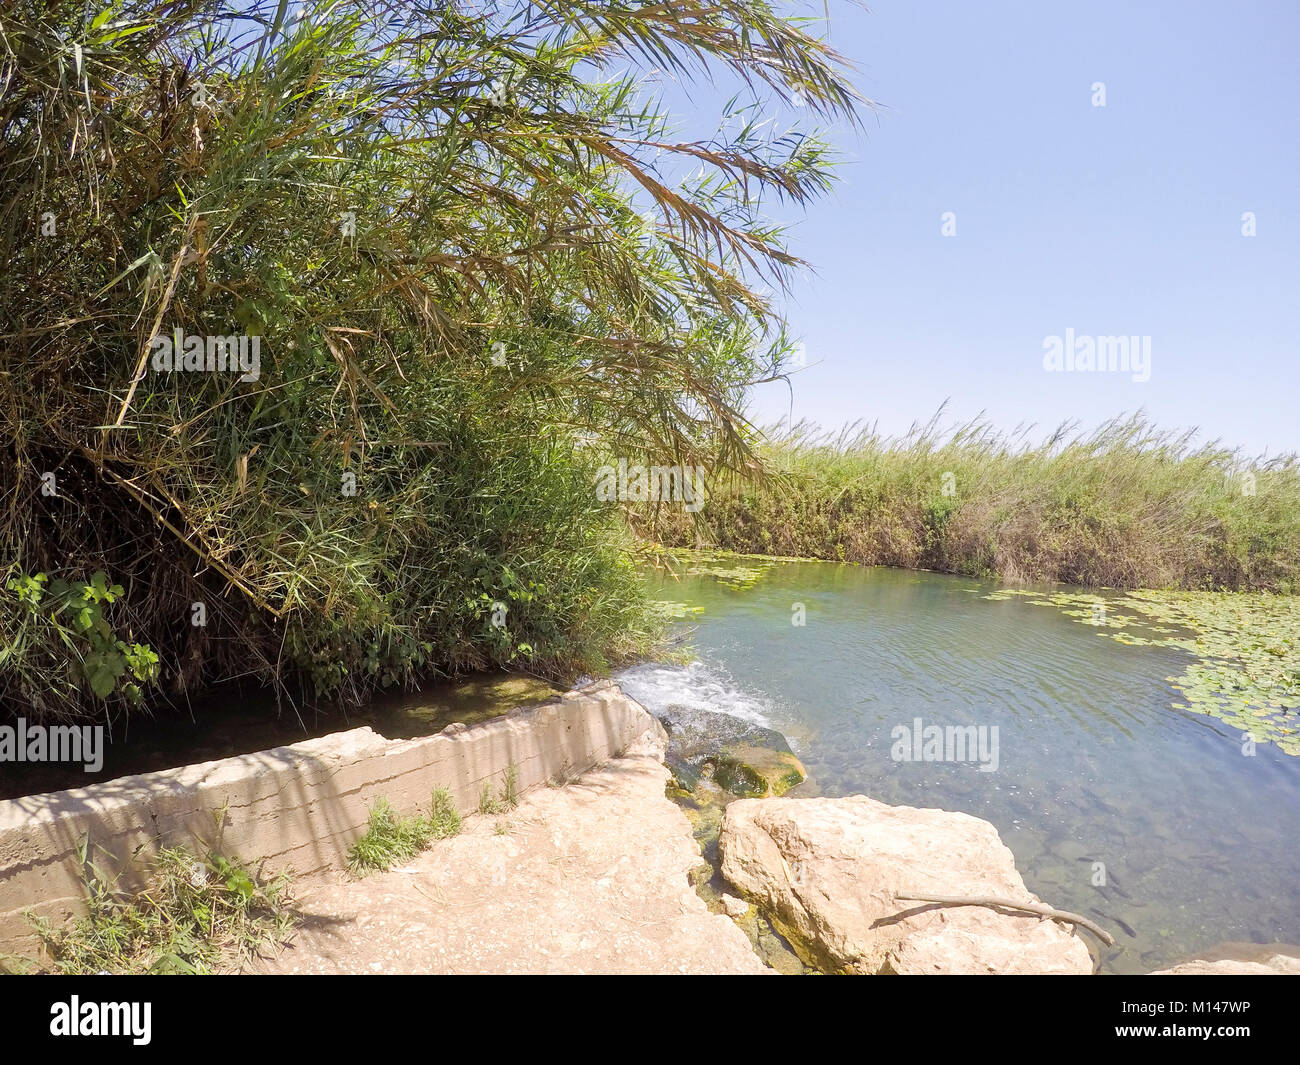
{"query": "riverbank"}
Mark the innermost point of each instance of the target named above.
(567, 856)
(1129, 505)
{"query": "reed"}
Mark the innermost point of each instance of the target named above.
(425, 219)
(1126, 505)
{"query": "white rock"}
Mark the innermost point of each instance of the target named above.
(1240, 959)
(825, 871)
(734, 907)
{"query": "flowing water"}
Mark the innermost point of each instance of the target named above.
(1198, 839)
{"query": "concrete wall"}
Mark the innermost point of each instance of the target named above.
(296, 807)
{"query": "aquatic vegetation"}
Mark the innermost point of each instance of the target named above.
(737, 577)
(729, 568)
(757, 772)
(672, 610)
(1128, 505)
(743, 758)
(1245, 648)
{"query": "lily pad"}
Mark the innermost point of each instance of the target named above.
(1245, 648)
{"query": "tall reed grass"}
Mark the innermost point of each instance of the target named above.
(1124, 506)
(429, 216)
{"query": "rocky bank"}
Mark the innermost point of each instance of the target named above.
(827, 871)
(590, 877)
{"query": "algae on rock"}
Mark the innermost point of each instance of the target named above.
(757, 772)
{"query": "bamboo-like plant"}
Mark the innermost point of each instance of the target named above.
(430, 218)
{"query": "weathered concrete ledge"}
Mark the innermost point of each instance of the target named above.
(593, 877)
(297, 807)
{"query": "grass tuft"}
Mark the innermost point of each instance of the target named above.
(444, 817)
(198, 916)
(503, 801)
(391, 838)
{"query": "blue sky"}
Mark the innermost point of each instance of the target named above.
(1117, 220)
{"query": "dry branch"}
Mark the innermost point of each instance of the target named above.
(1006, 904)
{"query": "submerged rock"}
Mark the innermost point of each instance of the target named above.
(757, 772)
(826, 871)
(747, 759)
(1240, 959)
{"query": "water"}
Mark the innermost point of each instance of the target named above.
(1198, 841)
(234, 723)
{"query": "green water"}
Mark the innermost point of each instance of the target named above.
(1198, 840)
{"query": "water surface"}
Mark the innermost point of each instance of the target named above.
(1198, 840)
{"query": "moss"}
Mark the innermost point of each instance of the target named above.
(704, 809)
(772, 942)
(758, 772)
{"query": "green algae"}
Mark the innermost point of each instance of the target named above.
(730, 569)
(757, 772)
(705, 806)
(675, 611)
(1245, 648)
(467, 700)
(729, 572)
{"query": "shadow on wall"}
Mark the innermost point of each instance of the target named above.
(295, 808)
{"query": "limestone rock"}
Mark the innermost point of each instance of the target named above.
(734, 907)
(748, 759)
(1240, 959)
(825, 871)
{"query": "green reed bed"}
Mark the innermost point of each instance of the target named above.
(1126, 506)
(457, 240)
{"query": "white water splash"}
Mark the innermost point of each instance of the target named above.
(699, 686)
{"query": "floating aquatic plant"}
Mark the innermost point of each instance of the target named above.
(673, 610)
(728, 568)
(1246, 649)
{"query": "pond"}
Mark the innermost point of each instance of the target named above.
(1195, 831)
